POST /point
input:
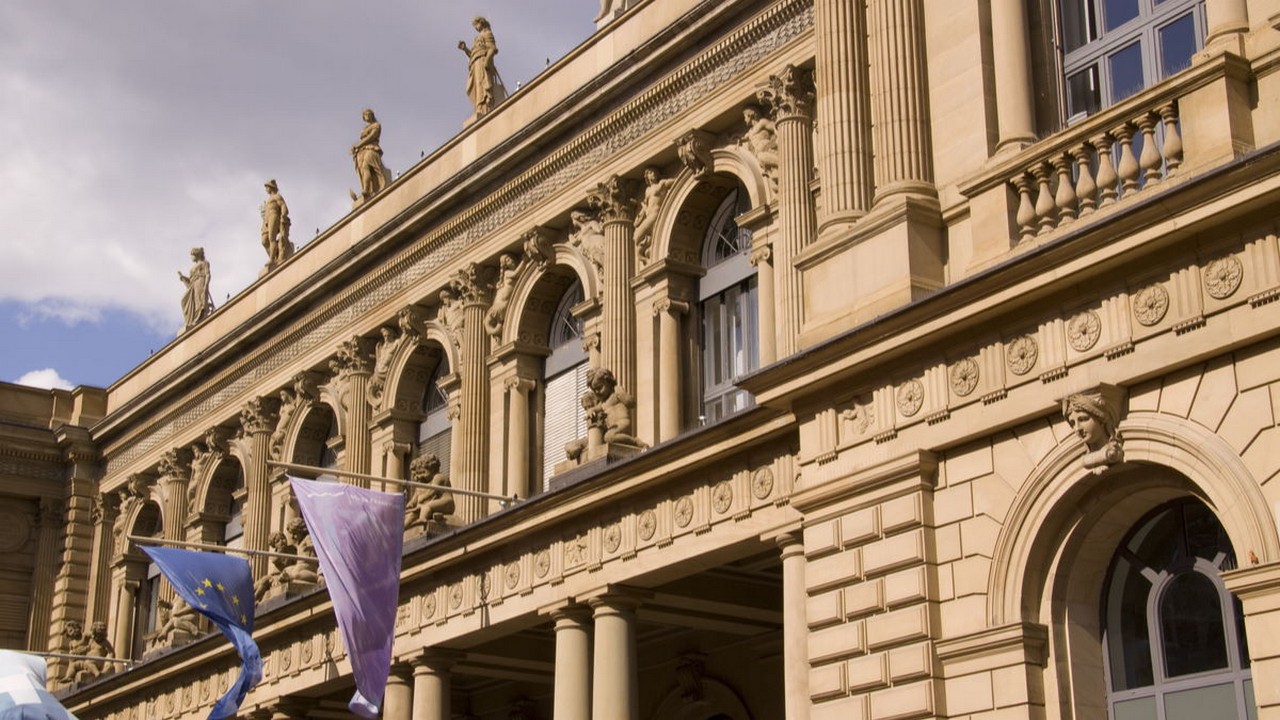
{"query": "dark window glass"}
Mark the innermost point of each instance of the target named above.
(1191, 623)
(1078, 26)
(1125, 68)
(1130, 648)
(1083, 94)
(1177, 45)
(1118, 12)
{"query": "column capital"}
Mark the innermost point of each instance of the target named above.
(472, 285)
(790, 93)
(670, 305)
(615, 199)
(519, 384)
(259, 415)
(761, 254)
(175, 465)
(105, 507)
(616, 598)
(435, 661)
(353, 356)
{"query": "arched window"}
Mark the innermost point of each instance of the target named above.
(328, 456)
(435, 430)
(1173, 636)
(727, 310)
(1114, 48)
(146, 598)
(565, 376)
(233, 530)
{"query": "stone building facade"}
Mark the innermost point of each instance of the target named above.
(945, 373)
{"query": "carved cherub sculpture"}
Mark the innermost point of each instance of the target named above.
(75, 643)
(302, 571)
(276, 574)
(608, 413)
(95, 644)
(1094, 420)
(425, 504)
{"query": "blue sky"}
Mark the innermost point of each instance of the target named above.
(137, 129)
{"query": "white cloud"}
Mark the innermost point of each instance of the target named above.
(47, 378)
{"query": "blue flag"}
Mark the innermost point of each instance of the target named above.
(220, 587)
(22, 690)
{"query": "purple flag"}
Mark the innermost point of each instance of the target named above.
(359, 535)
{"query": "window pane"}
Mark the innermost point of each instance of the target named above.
(1177, 45)
(1191, 624)
(1139, 709)
(1218, 701)
(1125, 69)
(1128, 637)
(1118, 12)
(1083, 94)
(1078, 27)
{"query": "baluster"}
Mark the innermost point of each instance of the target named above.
(1150, 161)
(1065, 198)
(1107, 178)
(1172, 149)
(1127, 168)
(1044, 200)
(1026, 217)
(1085, 187)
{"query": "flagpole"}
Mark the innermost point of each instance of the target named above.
(411, 483)
(68, 656)
(217, 548)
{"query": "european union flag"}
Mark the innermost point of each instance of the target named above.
(221, 588)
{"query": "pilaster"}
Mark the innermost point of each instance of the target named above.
(844, 112)
(353, 365)
(616, 201)
(257, 420)
(473, 289)
(899, 99)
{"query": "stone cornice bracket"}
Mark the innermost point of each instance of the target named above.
(258, 415)
(537, 243)
(615, 199)
(473, 284)
(790, 93)
(1094, 415)
(694, 150)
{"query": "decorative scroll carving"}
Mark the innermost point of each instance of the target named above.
(1095, 417)
(537, 243)
(694, 151)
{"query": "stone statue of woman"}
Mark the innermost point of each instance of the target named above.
(484, 87)
(367, 155)
(197, 303)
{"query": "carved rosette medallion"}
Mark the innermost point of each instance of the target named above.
(14, 531)
(1150, 304)
(286, 655)
(512, 575)
(762, 483)
(1083, 330)
(964, 377)
(613, 537)
(684, 511)
(1222, 277)
(455, 596)
(1021, 354)
(910, 397)
(542, 563)
(429, 606)
(721, 497)
(647, 524)
(308, 651)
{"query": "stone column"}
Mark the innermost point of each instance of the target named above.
(670, 379)
(473, 288)
(790, 94)
(395, 454)
(573, 663)
(844, 114)
(616, 200)
(1228, 21)
(126, 591)
(615, 692)
(175, 476)
(795, 627)
(258, 418)
(106, 508)
(518, 434)
(899, 105)
(49, 521)
(354, 366)
(1015, 118)
(431, 684)
(397, 703)
(762, 259)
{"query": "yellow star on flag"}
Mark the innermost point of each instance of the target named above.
(243, 619)
(208, 582)
(220, 588)
(235, 600)
(200, 591)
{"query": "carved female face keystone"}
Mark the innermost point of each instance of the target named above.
(1088, 428)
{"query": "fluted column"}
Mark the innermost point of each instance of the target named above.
(573, 663)
(431, 674)
(106, 508)
(790, 94)
(354, 366)
(175, 476)
(795, 628)
(49, 520)
(670, 379)
(844, 112)
(616, 200)
(615, 679)
(473, 288)
(397, 702)
(258, 418)
(899, 105)
(518, 434)
(1012, 60)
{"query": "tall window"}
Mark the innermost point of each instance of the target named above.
(435, 432)
(233, 531)
(146, 599)
(565, 371)
(1114, 48)
(1173, 636)
(727, 311)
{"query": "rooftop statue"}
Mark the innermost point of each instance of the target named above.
(367, 156)
(275, 227)
(197, 302)
(484, 87)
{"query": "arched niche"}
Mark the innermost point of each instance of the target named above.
(537, 297)
(411, 370)
(692, 201)
(715, 701)
(318, 440)
(222, 493)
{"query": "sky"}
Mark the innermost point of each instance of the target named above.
(135, 130)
